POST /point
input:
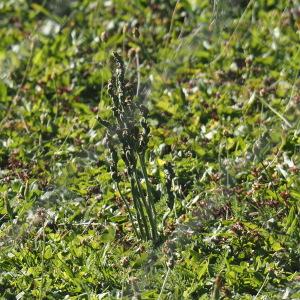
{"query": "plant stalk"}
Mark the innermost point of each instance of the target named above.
(148, 208)
(129, 212)
(140, 212)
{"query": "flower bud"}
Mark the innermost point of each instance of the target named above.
(115, 176)
(116, 113)
(125, 29)
(170, 175)
(104, 37)
(136, 32)
(144, 110)
(131, 53)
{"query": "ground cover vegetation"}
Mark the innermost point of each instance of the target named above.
(149, 149)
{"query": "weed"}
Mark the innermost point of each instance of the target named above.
(127, 138)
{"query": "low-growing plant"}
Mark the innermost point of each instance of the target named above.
(127, 138)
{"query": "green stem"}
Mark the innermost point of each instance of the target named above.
(138, 216)
(148, 186)
(140, 211)
(129, 212)
(8, 208)
(42, 264)
(148, 208)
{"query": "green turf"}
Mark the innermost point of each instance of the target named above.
(221, 82)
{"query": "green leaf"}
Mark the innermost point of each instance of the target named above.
(108, 235)
(276, 246)
(3, 92)
(48, 252)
